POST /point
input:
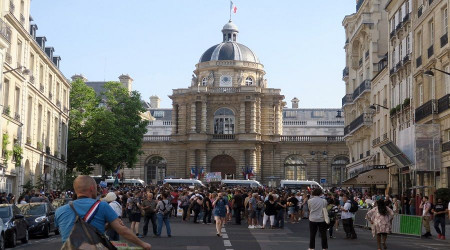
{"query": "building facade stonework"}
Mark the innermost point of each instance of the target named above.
(228, 120)
(34, 103)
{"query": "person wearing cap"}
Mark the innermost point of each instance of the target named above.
(111, 198)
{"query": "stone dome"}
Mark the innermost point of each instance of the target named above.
(229, 49)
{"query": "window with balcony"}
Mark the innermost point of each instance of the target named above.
(5, 94)
(445, 21)
(419, 43)
(431, 28)
(19, 53)
(224, 121)
(17, 103)
(29, 118)
(50, 86)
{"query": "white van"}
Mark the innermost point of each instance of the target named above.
(242, 183)
(184, 182)
(299, 185)
(133, 182)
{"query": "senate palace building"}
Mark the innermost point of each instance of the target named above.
(230, 121)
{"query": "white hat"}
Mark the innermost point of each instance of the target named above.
(111, 196)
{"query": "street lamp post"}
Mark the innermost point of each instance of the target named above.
(430, 72)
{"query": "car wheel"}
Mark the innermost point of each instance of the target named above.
(12, 240)
(2, 242)
(25, 239)
(46, 231)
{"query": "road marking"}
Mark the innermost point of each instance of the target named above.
(225, 236)
(223, 230)
(227, 243)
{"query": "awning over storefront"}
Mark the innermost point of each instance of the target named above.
(396, 155)
(375, 175)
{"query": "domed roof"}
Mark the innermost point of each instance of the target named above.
(229, 49)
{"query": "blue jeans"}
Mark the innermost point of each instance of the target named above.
(161, 219)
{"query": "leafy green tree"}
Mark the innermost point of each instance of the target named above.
(104, 130)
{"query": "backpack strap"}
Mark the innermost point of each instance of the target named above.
(91, 212)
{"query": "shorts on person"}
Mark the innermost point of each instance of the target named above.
(135, 217)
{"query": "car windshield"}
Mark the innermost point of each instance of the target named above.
(32, 209)
(5, 213)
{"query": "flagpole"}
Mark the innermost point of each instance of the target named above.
(231, 5)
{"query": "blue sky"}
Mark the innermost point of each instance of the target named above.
(158, 42)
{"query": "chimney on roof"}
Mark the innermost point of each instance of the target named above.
(127, 81)
(33, 29)
(49, 51)
(294, 102)
(56, 60)
(41, 41)
(154, 102)
(79, 76)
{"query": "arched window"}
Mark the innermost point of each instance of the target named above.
(248, 81)
(204, 81)
(295, 168)
(224, 121)
(338, 170)
(156, 169)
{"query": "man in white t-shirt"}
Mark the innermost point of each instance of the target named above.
(347, 218)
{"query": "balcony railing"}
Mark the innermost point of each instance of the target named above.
(399, 26)
(445, 146)
(358, 4)
(8, 58)
(58, 104)
(406, 59)
(12, 7)
(444, 40)
(5, 30)
(430, 51)
(418, 61)
(17, 117)
(345, 72)
(347, 99)
(50, 96)
(151, 138)
(225, 90)
(406, 18)
(363, 119)
(223, 137)
(383, 63)
(398, 65)
(426, 109)
(41, 88)
(364, 86)
(444, 103)
(66, 110)
(366, 55)
(392, 34)
(419, 11)
(376, 141)
(360, 62)
(304, 138)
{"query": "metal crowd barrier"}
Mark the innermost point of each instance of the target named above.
(401, 224)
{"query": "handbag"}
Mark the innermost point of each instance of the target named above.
(325, 215)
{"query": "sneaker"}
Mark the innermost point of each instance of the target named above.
(439, 236)
(251, 227)
(442, 237)
(332, 237)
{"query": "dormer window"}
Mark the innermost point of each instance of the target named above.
(248, 81)
(204, 81)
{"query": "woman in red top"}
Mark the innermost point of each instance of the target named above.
(174, 202)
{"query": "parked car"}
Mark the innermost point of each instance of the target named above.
(57, 203)
(2, 235)
(16, 227)
(40, 217)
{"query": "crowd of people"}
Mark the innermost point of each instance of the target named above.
(260, 208)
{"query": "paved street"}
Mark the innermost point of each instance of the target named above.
(191, 236)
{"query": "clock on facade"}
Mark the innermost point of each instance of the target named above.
(226, 81)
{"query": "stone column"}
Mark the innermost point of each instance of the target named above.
(242, 118)
(253, 118)
(204, 117)
(277, 119)
(193, 117)
(258, 115)
(203, 159)
(174, 119)
(253, 163)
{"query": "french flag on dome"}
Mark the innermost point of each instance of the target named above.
(233, 7)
